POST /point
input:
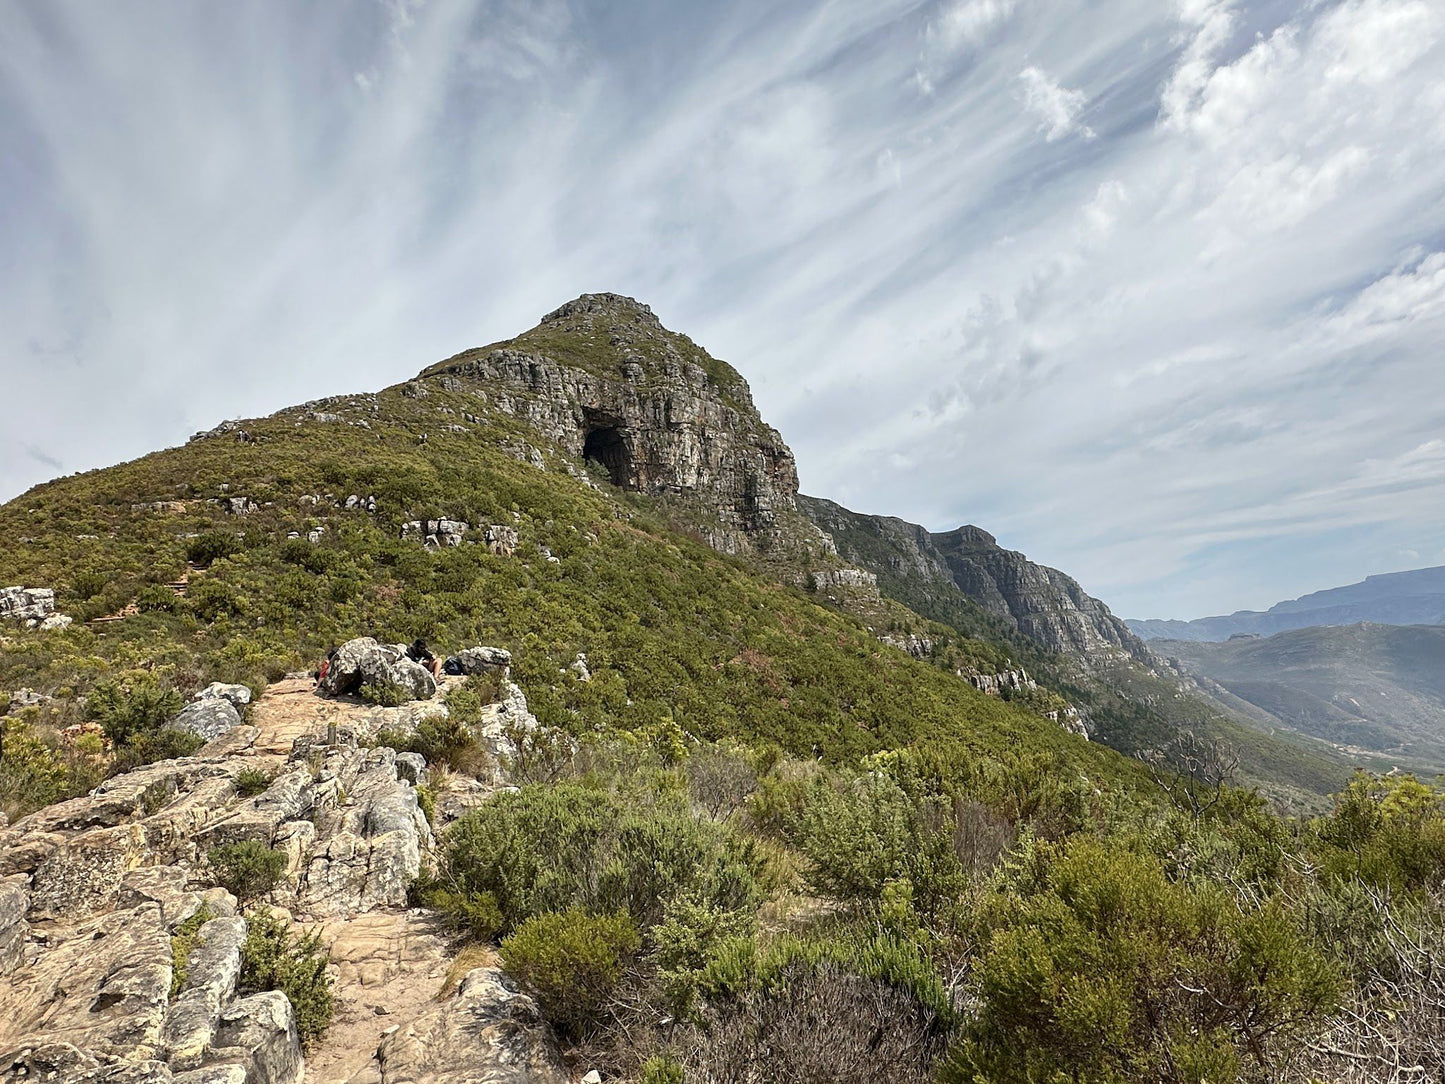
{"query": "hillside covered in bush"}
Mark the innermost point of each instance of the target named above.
(767, 823)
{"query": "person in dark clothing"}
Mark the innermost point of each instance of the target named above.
(418, 653)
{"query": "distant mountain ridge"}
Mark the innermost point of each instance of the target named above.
(1043, 604)
(1416, 597)
(1363, 687)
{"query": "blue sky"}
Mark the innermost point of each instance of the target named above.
(1154, 292)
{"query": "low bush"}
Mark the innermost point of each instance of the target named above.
(385, 694)
(252, 781)
(542, 849)
(131, 712)
(573, 961)
(182, 942)
(850, 1008)
(273, 957)
(248, 869)
(211, 546)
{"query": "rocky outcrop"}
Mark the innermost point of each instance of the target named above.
(365, 662)
(488, 1034)
(607, 382)
(207, 718)
(1042, 603)
(35, 606)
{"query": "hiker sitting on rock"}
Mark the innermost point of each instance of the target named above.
(418, 653)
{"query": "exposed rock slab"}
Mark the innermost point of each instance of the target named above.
(489, 1033)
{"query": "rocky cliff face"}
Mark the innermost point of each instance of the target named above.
(1042, 603)
(603, 379)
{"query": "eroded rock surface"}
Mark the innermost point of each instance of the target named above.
(93, 891)
(488, 1034)
(649, 407)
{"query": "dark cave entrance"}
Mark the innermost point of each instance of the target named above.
(606, 446)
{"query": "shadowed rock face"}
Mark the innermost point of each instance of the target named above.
(1043, 603)
(604, 379)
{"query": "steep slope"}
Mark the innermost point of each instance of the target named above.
(1398, 598)
(1130, 698)
(1376, 688)
(458, 507)
(1043, 604)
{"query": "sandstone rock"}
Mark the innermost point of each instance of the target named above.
(262, 1029)
(227, 1073)
(487, 1034)
(28, 698)
(845, 577)
(212, 969)
(207, 719)
(502, 540)
(100, 985)
(369, 851)
(238, 695)
(84, 874)
(55, 622)
(436, 532)
(26, 603)
(655, 412)
(14, 902)
(484, 660)
(364, 661)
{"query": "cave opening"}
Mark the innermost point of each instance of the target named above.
(606, 446)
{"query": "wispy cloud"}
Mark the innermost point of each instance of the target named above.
(1154, 293)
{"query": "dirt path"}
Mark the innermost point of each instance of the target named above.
(290, 708)
(390, 966)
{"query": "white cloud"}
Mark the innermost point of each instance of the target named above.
(1056, 107)
(1194, 360)
(968, 23)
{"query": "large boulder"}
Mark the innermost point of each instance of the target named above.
(207, 719)
(365, 662)
(484, 660)
(14, 902)
(238, 695)
(488, 1034)
(261, 1032)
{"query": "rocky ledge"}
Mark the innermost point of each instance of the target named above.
(94, 891)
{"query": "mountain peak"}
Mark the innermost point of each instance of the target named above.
(590, 306)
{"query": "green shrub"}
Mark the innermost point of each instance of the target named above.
(1099, 969)
(661, 1069)
(211, 546)
(247, 869)
(385, 694)
(210, 600)
(250, 782)
(182, 942)
(852, 1008)
(444, 740)
(274, 958)
(1387, 832)
(131, 712)
(865, 833)
(544, 849)
(32, 774)
(155, 598)
(573, 961)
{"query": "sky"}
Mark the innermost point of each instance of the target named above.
(1153, 291)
